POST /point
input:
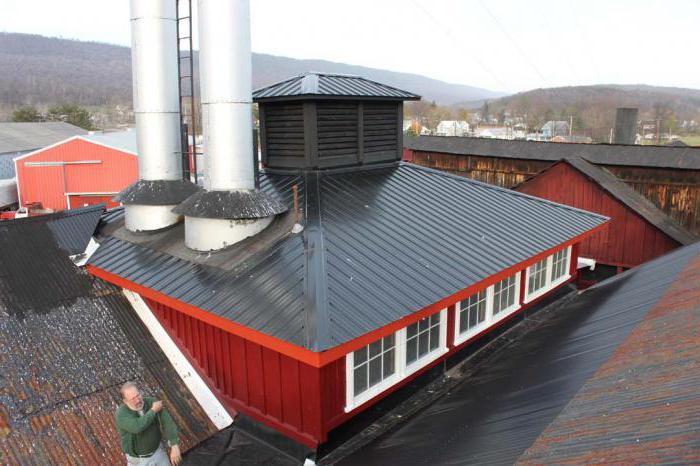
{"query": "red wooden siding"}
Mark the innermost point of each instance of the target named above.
(273, 388)
(50, 185)
(628, 241)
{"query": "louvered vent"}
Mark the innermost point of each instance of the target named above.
(380, 130)
(284, 127)
(337, 129)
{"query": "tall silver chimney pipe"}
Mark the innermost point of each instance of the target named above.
(230, 209)
(154, 63)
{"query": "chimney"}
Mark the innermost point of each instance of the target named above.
(154, 63)
(625, 126)
(230, 208)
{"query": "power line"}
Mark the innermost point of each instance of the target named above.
(456, 42)
(567, 57)
(584, 40)
(514, 43)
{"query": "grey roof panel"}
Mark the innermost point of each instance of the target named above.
(123, 140)
(377, 245)
(687, 158)
(24, 137)
(314, 84)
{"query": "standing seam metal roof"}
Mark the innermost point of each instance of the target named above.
(327, 85)
(24, 137)
(378, 245)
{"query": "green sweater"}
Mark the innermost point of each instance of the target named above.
(141, 435)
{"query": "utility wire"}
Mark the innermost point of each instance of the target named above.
(514, 43)
(584, 40)
(445, 30)
(567, 57)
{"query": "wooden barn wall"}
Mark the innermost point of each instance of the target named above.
(493, 170)
(261, 383)
(629, 240)
(676, 192)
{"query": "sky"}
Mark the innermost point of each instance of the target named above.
(501, 45)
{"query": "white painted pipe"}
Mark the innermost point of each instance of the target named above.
(149, 217)
(154, 65)
(226, 93)
(212, 234)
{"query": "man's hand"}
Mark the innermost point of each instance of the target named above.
(175, 457)
(157, 406)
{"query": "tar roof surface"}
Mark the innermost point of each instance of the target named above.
(377, 245)
(315, 85)
(22, 137)
(628, 196)
(67, 342)
(609, 376)
(601, 154)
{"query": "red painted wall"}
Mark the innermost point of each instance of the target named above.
(49, 185)
(628, 241)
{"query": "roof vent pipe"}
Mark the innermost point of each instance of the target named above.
(154, 56)
(230, 209)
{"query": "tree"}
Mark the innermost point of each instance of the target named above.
(30, 114)
(71, 113)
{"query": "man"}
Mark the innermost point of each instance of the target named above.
(142, 422)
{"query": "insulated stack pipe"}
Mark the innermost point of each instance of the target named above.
(229, 209)
(154, 63)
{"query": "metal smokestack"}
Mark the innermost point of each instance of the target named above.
(625, 126)
(154, 57)
(230, 209)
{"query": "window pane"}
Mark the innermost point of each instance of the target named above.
(375, 348)
(388, 363)
(360, 379)
(375, 371)
(411, 354)
(434, 337)
(482, 311)
(411, 330)
(435, 319)
(360, 356)
(472, 317)
(423, 324)
(388, 342)
(423, 344)
(463, 321)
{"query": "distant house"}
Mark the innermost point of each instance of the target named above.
(81, 170)
(555, 128)
(498, 132)
(452, 128)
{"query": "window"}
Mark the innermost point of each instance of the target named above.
(374, 368)
(373, 363)
(505, 294)
(547, 273)
(560, 264)
(472, 311)
(422, 338)
(537, 276)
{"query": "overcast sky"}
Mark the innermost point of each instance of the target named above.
(503, 45)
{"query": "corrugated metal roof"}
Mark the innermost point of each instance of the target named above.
(377, 245)
(67, 342)
(123, 140)
(70, 229)
(600, 154)
(628, 196)
(315, 84)
(606, 376)
(24, 137)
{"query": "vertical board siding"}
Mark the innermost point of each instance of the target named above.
(264, 384)
(629, 239)
(49, 185)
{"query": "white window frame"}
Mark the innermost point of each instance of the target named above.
(510, 309)
(549, 284)
(401, 369)
(478, 328)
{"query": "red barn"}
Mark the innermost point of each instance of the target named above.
(81, 170)
(376, 273)
(638, 231)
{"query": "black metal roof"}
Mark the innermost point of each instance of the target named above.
(378, 244)
(628, 196)
(326, 85)
(67, 342)
(70, 229)
(610, 375)
(687, 158)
